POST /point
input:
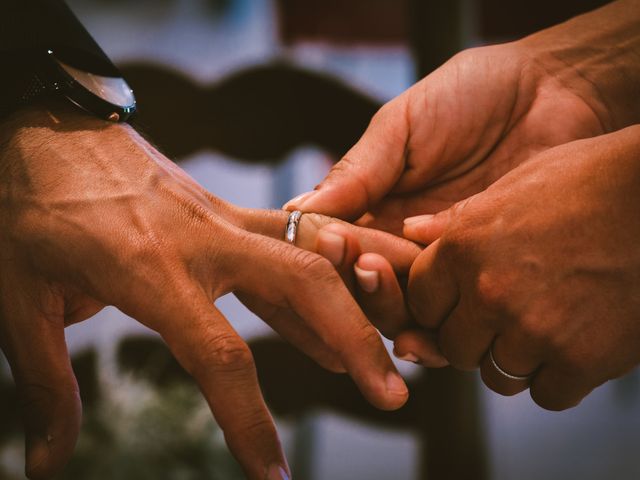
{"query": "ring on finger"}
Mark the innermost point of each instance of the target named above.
(291, 230)
(501, 371)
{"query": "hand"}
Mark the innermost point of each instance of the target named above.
(374, 267)
(341, 243)
(543, 268)
(483, 113)
(92, 215)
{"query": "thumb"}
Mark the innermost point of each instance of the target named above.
(367, 172)
(426, 229)
(34, 344)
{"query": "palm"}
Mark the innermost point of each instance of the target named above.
(479, 116)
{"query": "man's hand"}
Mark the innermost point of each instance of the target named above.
(342, 244)
(92, 215)
(543, 268)
(483, 113)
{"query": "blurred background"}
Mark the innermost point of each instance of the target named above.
(256, 99)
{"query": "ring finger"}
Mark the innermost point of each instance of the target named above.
(509, 364)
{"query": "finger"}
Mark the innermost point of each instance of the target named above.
(34, 343)
(380, 296)
(378, 291)
(335, 243)
(271, 223)
(292, 328)
(432, 291)
(555, 389)
(515, 354)
(308, 284)
(426, 229)
(419, 346)
(464, 338)
(367, 172)
(210, 350)
(389, 215)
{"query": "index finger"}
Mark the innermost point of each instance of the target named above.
(308, 283)
(432, 291)
(220, 361)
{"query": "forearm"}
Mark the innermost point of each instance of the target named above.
(599, 54)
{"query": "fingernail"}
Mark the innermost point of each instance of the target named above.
(369, 280)
(417, 219)
(276, 472)
(408, 357)
(395, 384)
(331, 246)
(297, 202)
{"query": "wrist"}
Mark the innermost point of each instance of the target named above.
(598, 56)
(32, 127)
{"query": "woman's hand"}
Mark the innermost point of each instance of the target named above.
(482, 114)
(92, 215)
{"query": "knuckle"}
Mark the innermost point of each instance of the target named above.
(256, 424)
(464, 55)
(535, 330)
(368, 334)
(493, 293)
(225, 352)
(312, 267)
(461, 216)
(40, 395)
(543, 329)
(145, 251)
(347, 167)
(383, 112)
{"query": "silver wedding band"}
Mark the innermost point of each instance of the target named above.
(517, 378)
(291, 230)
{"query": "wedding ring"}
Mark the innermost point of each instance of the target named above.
(517, 378)
(291, 229)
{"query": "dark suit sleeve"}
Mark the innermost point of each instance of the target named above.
(38, 25)
(28, 29)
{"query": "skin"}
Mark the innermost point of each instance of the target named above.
(544, 269)
(563, 310)
(92, 215)
(490, 114)
(482, 114)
